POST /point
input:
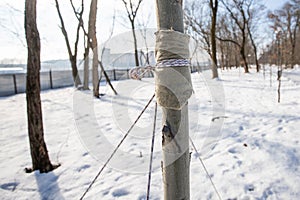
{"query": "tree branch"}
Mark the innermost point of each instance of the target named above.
(229, 40)
(63, 29)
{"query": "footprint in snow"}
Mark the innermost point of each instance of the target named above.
(83, 167)
(9, 186)
(232, 150)
(120, 192)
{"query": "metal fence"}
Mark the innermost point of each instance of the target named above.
(14, 83)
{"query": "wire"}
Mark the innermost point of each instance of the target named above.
(118, 146)
(206, 171)
(151, 156)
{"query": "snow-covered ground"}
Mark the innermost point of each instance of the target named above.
(248, 142)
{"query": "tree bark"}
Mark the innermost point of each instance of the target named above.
(132, 12)
(72, 57)
(86, 68)
(254, 49)
(175, 122)
(136, 53)
(38, 149)
(252, 40)
(241, 24)
(89, 44)
(94, 45)
(214, 9)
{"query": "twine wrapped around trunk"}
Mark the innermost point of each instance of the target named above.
(172, 73)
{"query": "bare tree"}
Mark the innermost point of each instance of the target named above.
(143, 30)
(13, 28)
(228, 50)
(72, 55)
(86, 66)
(213, 4)
(38, 149)
(132, 10)
(197, 26)
(94, 45)
(237, 12)
(79, 17)
(88, 44)
(288, 19)
(254, 12)
(203, 29)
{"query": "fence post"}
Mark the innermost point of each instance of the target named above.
(50, 76)
(15, 83)
(114, 73)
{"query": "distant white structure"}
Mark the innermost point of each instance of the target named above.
(119, 51)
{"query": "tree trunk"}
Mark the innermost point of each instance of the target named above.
(175, 122)
(86, 68)
(136, 54)
(254, 48)
(132, 12)
(214, 9)
(94, 45)
(242, 51)
(72, 57)
(75, 74)
(38, 149)
(223, 64)
(293, 54)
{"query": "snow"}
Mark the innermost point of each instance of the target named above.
(248, 142)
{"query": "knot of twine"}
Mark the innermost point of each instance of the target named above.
(172, 73)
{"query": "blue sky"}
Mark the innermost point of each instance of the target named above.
(12, 38)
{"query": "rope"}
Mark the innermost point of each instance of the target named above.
(118, 146)
(151, 156)
(137, 73)
(173, 63)
(206, 171)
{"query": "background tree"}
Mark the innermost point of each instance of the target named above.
(87, 46)
(229, 51)
(72, 55)
(254, 11)
(144, 32)
(237, 12)
(199, 27)
(94, 45)
(287, 19)
(197, 24)
(132, 10)
(213, 4)
(86, 59)
(38, 149)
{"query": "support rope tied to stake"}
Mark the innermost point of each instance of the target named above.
(172, 73)
(151, 155)
(118, 146)
(137, 73)
(205, 169)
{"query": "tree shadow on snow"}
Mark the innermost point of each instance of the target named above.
(48, 186)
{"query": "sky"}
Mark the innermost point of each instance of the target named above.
(12, 37)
